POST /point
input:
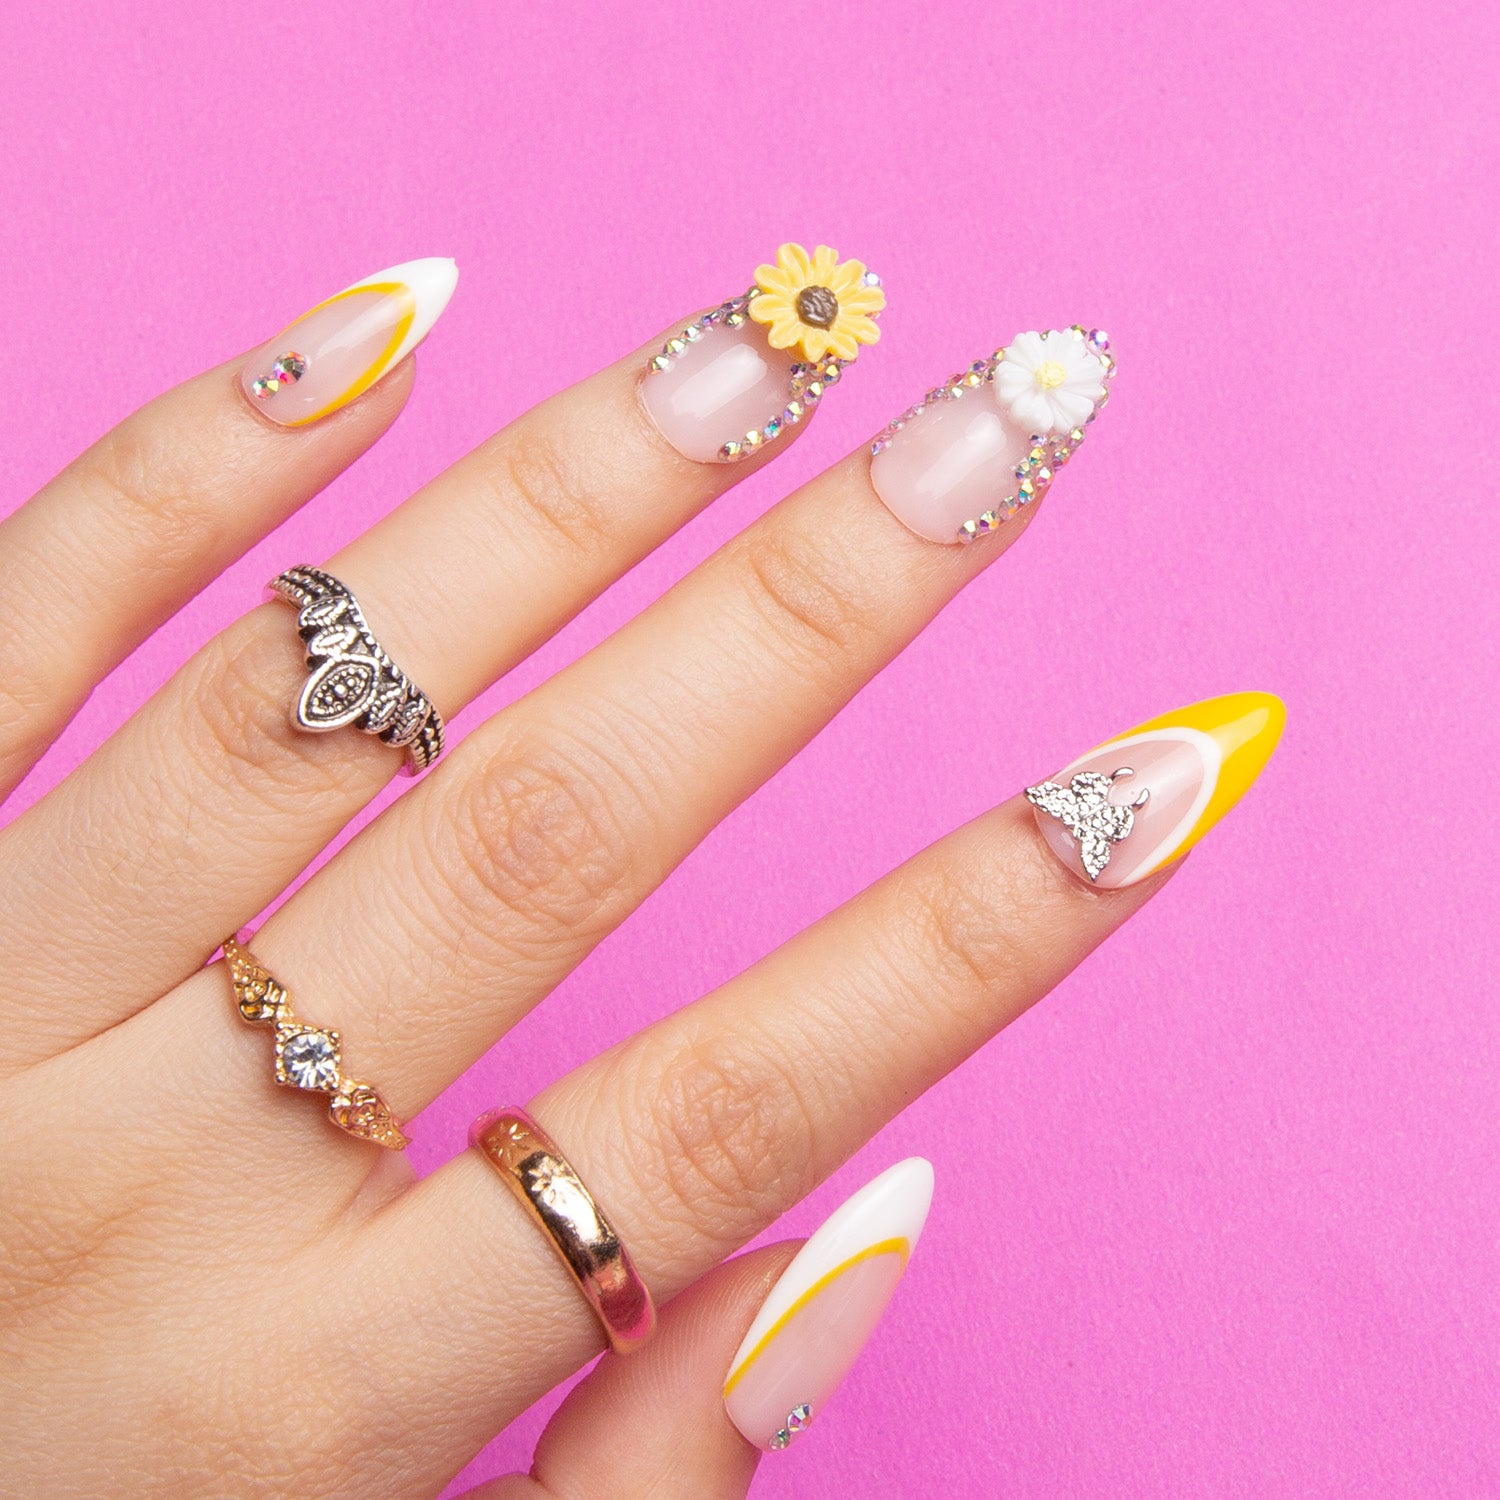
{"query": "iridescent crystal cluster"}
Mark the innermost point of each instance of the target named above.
(286, 369)
(796, 1424)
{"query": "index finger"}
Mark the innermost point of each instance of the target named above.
(699, 1131)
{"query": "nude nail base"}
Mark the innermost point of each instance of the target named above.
(335, 352)
(976, 451)
(718, 392)
(826, 1304)
(739, 378)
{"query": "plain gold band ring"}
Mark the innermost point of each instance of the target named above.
(538, 1174)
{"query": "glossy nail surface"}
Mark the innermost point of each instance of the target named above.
(340, 348)
(1143, 799)
(743, 375)
(975, 451)
(824, 1307)
(727, 382)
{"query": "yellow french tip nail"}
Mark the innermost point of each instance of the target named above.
(1246, 727)
(823, 1309)
(1143, 799)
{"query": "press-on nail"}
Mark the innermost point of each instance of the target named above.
(339, 349)
(825, 1306)
(726, 382)
(741, 376)
(1138, 802)
(975, 451)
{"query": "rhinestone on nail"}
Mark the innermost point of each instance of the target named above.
(286, 369)
(1045, 453)
(796, 1424)
(808, 380)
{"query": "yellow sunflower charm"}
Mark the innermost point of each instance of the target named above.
(817, 302)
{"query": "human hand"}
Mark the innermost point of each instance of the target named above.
(207, 1290)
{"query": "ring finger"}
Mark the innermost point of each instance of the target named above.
(209, 788)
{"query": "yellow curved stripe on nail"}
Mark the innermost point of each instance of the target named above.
(1246, 727)
(899, 1246)
(381, 362)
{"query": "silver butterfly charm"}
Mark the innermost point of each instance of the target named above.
(1084, 809)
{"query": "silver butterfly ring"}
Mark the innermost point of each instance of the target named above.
(350, 678)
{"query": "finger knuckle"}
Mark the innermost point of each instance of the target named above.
(728, 1130)
(547, 833)
(799, 583)
(536, 472)
(964, 941)
(148, 478)
(235, 700)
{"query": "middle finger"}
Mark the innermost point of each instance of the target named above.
(557, 818)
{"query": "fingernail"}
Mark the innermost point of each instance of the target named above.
(1140, 801)
(344, 345)
(972, 453)
(825, 1306)
(741, 376)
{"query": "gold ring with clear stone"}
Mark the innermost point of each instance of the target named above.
(307, 1057)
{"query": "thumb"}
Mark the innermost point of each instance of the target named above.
(652, 1423)
(786, 1324)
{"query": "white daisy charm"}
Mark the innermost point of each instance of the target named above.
(1049, 382)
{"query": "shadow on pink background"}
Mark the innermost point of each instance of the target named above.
(1220, 1217)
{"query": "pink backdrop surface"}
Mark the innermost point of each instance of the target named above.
(1221, 1216)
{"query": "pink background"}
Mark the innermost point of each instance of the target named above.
(1221, 1216)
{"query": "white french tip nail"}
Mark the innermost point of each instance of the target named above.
(336, 351)
(432, 282)
(826, 1304)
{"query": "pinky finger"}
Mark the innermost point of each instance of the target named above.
(745, 1359)
(135, 526)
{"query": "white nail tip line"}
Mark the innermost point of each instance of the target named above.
(891, 1206)
(431, 282)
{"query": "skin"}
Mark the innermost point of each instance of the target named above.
(172, 1232)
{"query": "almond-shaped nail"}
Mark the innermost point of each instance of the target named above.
(970, 454)
(1143, 799)
(742, 375)
(825, 1306)
(340, 348)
